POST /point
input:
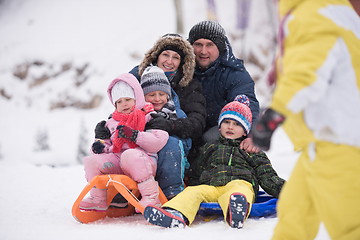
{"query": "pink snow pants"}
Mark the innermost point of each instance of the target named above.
(133, 162)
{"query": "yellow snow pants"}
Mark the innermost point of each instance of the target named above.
(324, 187)
(188, 201)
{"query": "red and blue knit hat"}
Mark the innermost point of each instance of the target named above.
(239, 111)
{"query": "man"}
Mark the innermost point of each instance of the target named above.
(318, 97)
(222, 75)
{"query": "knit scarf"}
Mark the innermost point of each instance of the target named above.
(170, 75)
(134, 120)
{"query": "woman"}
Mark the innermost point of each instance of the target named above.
(175, 56)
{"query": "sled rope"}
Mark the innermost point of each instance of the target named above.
(111, 180)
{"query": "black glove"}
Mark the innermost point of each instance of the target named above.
(127, 132)
(160, 114)
(97, 147)
(160, 123)
(102, 132)
(264, 128)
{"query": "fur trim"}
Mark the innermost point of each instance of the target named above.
(188, 67)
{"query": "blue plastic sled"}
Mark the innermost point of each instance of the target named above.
(264, 206)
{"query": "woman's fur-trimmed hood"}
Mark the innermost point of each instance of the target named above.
(187, 65)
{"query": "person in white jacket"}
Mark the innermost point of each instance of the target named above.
(317, 98)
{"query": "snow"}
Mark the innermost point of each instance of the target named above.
(38, 187)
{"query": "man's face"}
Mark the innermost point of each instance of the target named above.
(206, 52)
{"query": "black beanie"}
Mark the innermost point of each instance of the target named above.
(172, 46)
(209, 30)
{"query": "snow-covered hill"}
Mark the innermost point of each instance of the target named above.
(56, 60)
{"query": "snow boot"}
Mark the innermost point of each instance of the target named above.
(164, 217)
(95, 202)
(238, 209)
(149, 190)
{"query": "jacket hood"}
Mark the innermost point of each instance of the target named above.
(132, 82)
(187, 64)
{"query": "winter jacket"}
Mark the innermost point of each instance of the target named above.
(189, 91)
(319, 93)
(222, 82)
(223, 161)
(150, 141)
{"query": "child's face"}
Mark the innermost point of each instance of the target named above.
(231, 129)
(168, 61)
(157, 98)
(125, 105)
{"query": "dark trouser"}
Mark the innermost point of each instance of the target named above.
(171, 167)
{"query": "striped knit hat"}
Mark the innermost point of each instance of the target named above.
(154, 79)
(239, 111)
(209, 30)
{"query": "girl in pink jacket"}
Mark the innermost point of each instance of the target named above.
(130, 150)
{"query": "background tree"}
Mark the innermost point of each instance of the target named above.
(179, 17)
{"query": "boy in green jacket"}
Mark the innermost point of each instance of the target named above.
(227, 174)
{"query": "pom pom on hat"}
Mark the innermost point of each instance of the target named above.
(242, 99)
(209, 30)
(154, 79)
(121, 90)
(239, 111)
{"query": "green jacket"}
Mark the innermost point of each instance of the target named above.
(224, 161)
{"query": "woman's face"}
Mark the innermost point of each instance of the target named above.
(168, 61)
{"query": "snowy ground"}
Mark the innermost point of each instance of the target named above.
(36, 201)
(38, 188)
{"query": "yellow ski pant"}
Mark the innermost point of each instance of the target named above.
(188, 201)
(324, 187)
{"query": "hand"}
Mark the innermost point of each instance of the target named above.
(160, 123)
(148, 107)
(127, 132)
(160, 114)
(248, 145)
(264, 128)
(98, 146)
(168, 107)
(102, 132)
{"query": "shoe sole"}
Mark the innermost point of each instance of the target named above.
(161, 217)
(93, 209)
(238, 207)
(119, 205)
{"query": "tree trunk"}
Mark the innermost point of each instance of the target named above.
(179, 17)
